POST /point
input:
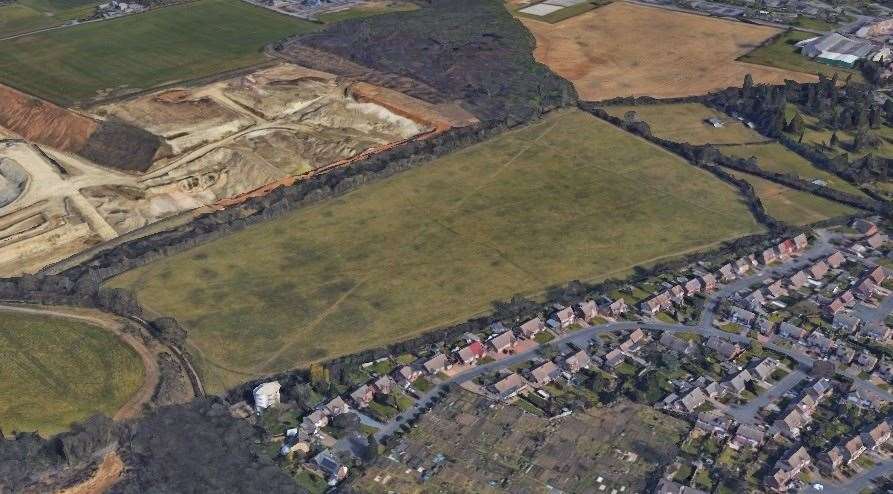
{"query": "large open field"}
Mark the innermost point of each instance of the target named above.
(781, 53)
(794, 206)
(28, 15)
(198, 39)
(56, 372)
(569, 197)
(687, 122)
(630, 50)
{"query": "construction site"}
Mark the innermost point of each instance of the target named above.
(210, 145)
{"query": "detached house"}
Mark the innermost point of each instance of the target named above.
(742, 266)
(788, 330)
(801, 242)
(768, 256)
(614, 358)
(877, 436)
(545, 373)
(818, 270)
(755, 300)
(714, 422)
(748, 436)
(502, 343)
(577, 361)
(878, 331)
(693, 400)
(693, 286)
(835, 260)
(407, 375)
(709, 282)
(615, 309)
(865, 227)
(336, 406)
(876, 241)
(724, 348)
(741, 316)
(471, 353)
(765, 368)
(787, 468)
(786, 248)
(845, 322)
(677, 294)
(510, 386)
(820, 341)
(532, 327)
(588, 310)
(791, 423)
(384, 385)
(363, 396)
(865, 289)
(565, 317)
(727, 272)
(436, 364)
(684, 347)
(776, 290)
(798, 279)
(878, 275)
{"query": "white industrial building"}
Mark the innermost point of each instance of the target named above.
(838, 50)
(266, 395)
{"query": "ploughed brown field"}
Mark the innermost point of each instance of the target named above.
(630, 50)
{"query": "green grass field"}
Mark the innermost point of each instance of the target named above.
(569, 197)
(776, 158)
(793, 206)
(783, 54)
(28, 15)
(686, 122)
(56, 372)
(77, 64)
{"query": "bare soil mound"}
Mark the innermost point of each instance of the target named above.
(110, 143)
(43, 122)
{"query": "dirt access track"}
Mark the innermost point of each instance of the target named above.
(624, 49)
(135, 404)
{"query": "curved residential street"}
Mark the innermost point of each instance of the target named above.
(705, 328)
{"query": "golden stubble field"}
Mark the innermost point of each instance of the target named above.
(630, 50)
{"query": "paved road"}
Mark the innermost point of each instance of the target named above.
(747, 413)
(857, 483)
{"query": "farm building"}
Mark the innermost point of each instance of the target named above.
(838, 50)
